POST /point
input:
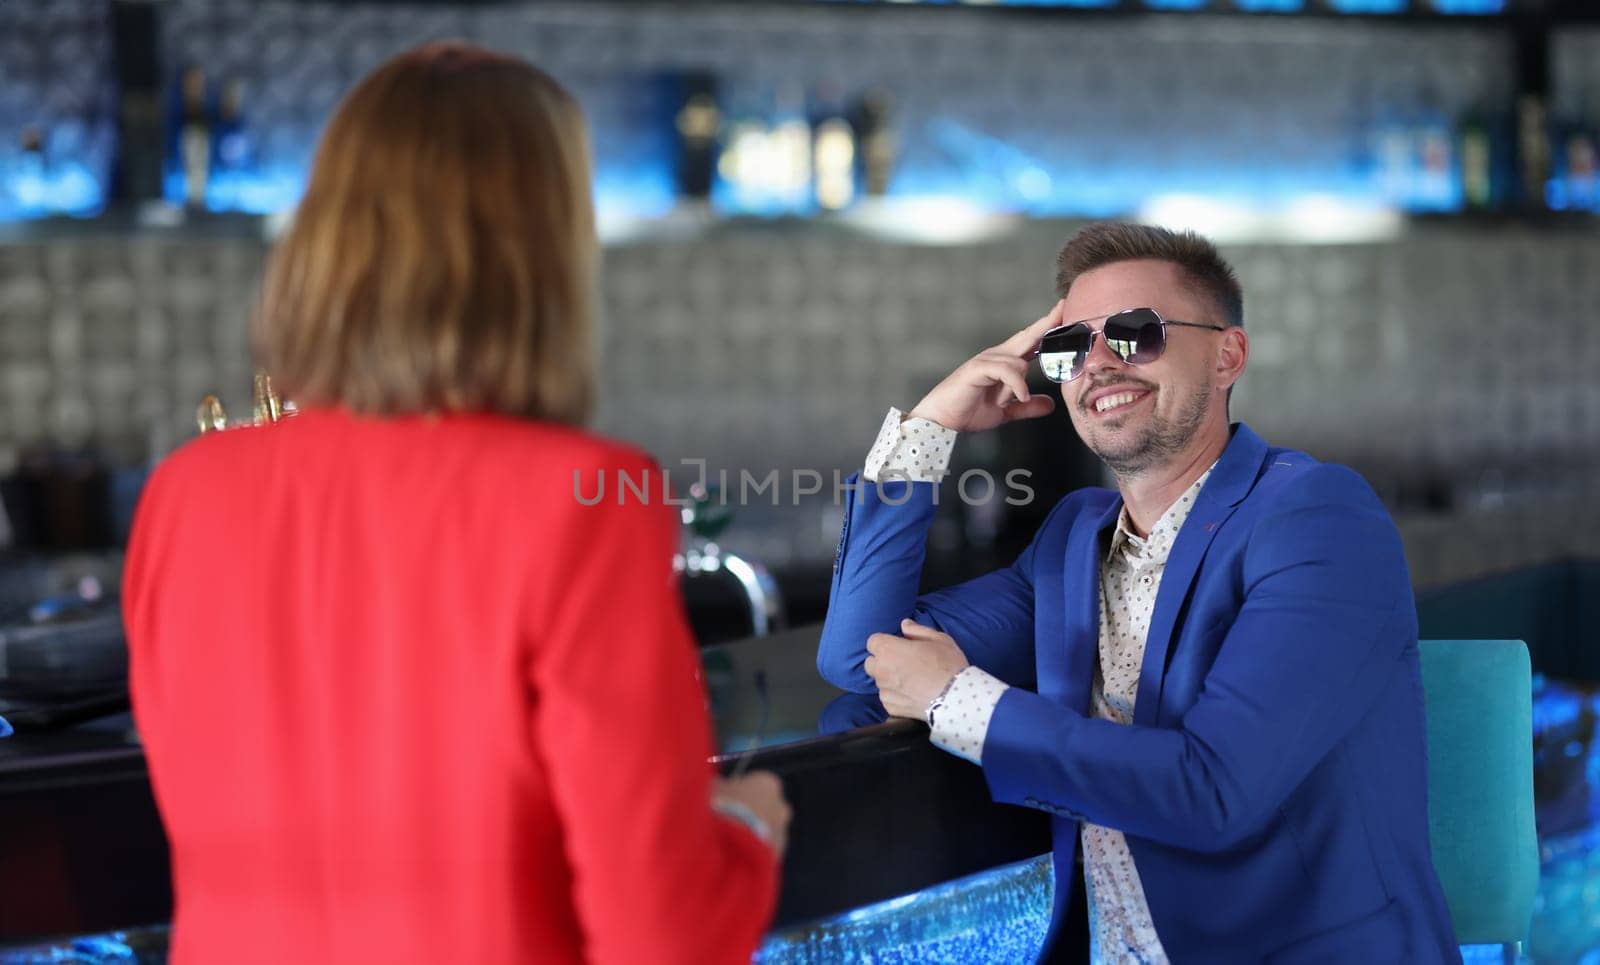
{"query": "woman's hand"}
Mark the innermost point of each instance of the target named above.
(762, 794)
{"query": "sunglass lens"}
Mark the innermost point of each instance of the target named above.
(1136, 336)
(1061, 354)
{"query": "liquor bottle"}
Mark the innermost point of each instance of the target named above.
(235, 145)
(1394, 153)
(194, 139)
(1476, 153)
(696, 122)
(30, 183)
(791, 151)
(833, 153)
(875, 141)
(1533, 151)
(1436, 186)
(744, 168)
(1576, 166)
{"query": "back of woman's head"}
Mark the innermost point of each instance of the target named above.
(443, 256)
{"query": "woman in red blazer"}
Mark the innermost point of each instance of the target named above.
(404, 696)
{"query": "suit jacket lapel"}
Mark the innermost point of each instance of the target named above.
(1081, 580)
(1230, 482)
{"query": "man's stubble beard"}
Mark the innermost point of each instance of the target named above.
(1161, 440)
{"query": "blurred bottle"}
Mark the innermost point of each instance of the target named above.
(236, 149)
(59, 499)
(697, 119)
(1573, 180)
(1394, 152)
(1435, 186)
(1533, 151)
(29, 181)
(1475, 148)
(875, 141)
(744, 165)
(194, 138)
(833, 152)
(791, 151)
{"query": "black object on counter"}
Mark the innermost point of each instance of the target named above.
(77, 655)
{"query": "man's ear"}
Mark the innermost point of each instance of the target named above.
(1232, 356)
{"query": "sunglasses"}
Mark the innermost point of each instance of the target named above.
(1137, 336)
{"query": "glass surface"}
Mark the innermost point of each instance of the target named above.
(765, 692)
(1000, 915)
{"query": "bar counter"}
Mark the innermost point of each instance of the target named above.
(879, 813)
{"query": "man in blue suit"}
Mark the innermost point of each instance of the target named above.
(1208, 676)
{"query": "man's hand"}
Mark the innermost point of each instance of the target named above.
(992, 386)
(911, 670)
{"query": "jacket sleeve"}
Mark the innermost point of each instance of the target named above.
(620, 719)
(875, 580)
(1327, 621)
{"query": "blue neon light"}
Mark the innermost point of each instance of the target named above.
(1369, 6)
(1177, 4)
(31, 190)
(964, 164)
(1270, 6)
(1471, 8)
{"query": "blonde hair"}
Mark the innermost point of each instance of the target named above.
(443, 256)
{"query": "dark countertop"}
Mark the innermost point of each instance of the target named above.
(879, 812)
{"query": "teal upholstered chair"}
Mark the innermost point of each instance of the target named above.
(1479, 698)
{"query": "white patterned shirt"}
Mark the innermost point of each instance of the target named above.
(914, 449)
(1120, 928)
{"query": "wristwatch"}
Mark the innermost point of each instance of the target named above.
(937, 702)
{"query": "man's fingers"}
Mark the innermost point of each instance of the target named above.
(912, 630)
(1015, 364)
(1011, 378)
(988, 369)
(1039, 405)
(896, 704)
(1024, 342)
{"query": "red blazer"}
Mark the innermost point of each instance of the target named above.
(405, 698)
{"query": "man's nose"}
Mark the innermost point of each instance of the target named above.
(1101, 358)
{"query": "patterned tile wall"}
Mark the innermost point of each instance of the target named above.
(1454, 360)
(1454, 364)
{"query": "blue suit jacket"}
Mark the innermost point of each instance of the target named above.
(1272, 786)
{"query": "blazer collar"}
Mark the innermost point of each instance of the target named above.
(1231, 480)
(1237, 469)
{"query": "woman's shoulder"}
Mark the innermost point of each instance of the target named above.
(505, 436)
(544, 445)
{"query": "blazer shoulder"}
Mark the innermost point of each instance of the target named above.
(1293, 480)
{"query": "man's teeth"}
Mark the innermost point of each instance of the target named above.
(1112, 401)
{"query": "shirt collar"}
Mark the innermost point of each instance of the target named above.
(1164, 533)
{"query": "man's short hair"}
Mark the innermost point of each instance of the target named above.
(1109, 242)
